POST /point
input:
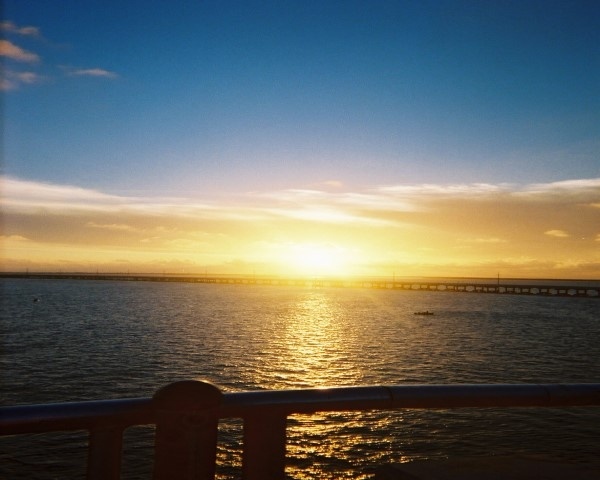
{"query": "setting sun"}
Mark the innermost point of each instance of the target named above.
(317, 259)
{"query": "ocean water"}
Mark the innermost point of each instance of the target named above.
(85, 340)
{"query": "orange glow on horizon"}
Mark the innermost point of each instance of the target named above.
(465, 232)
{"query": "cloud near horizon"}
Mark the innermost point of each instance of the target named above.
(549, 230)
(557, 233)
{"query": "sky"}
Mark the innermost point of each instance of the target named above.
(405, 138)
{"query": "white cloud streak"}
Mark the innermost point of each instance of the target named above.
(93, 72)
(572, 190)
(300, 203)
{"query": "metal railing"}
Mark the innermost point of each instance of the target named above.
(186, 415)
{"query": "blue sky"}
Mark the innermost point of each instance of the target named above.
(243, 95)
(215, 100)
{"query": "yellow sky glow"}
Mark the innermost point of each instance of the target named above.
(545, 231)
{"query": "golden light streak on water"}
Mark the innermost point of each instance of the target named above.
(316, 348)
(319, 349)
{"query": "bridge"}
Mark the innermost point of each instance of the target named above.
(458, 286)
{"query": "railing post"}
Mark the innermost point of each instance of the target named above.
(264, 446)
(104, 453)
(186, 431)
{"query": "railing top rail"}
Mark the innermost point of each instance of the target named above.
(139, 411)
(414, 396)
(84, 415)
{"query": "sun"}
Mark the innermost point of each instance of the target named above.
(317, 259)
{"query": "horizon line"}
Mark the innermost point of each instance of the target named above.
(392, 278)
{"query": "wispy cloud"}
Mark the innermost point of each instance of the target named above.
(14, 52)
(10, 27)
(92, 72)
(112, 226)
(13, 80)
(28, 77)
(580, 190)
(557, 233)
(444, 190)
(489, 240)
(26, 194)
(6, 84)
(409, 198)
(368, 200)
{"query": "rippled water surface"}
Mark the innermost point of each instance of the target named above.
(97, 339)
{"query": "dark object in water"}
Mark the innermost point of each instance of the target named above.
(426, 312)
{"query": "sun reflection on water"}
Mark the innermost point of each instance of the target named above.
(316, 345)
(318, 349)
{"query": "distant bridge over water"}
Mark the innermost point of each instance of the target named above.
(459, 286)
